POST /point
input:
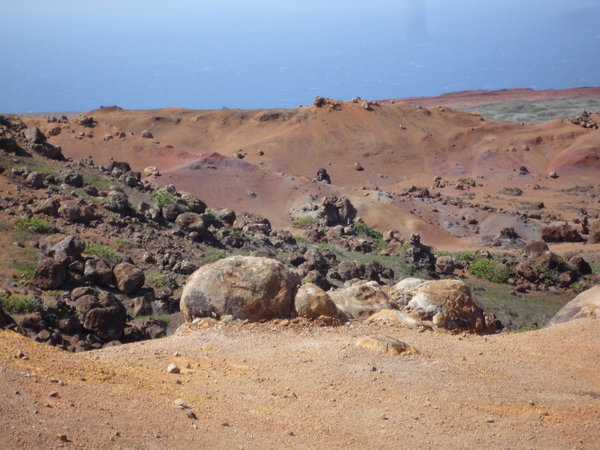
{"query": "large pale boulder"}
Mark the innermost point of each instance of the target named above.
(361, 299)
(244, 287)
(585, 305)
(444, 303)
(311, 302)
(448, 304)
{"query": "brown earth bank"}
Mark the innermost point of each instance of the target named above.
(264, 161)
(282, 384)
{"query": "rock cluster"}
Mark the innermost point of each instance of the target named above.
(585, 120)
(253, 289)
(17, 138)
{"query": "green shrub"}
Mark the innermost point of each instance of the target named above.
(490, 270)
(304, 222)
(102, 251)
(576, 287)
(34, 225)
(366, 230)
(551, 275)
(20, 304)
(161, 198)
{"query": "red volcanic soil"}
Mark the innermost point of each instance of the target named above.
(483, 97)
(263, 161)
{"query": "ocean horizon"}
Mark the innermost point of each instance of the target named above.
(69, 56)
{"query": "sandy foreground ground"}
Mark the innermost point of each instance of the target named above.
(294, 385)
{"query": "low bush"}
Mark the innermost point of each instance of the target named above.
(20, 304)
(491, 270)
(34, 225)
(108, 254)
(161, 198)
(304, 222)
(366, 230)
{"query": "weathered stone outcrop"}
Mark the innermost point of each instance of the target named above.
(445, 303)
(311, 302)
(361, 299)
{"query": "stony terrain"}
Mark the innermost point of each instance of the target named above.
(357, 266)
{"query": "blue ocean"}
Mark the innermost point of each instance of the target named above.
(69, 55)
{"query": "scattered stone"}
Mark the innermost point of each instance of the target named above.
(322, 176)
(561, 233)
(151, 171)
(49, 274)
(318, 101)
(129, 278)
(173, 368)
(386, 344)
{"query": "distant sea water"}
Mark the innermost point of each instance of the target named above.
(68, 55)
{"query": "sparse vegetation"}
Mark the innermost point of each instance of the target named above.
(491, 270)
(96, 181)
(158, 279)
(20, 304)
(26, 267)
(301, 240)
(213, 255)
(162, 198)
(534, 111)
(34, 225)
(128, 243)
(515, 311)
(366, 230)
(108, 254)
(466, 256)
(165, 319)
(576, 287)
(304, 222)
